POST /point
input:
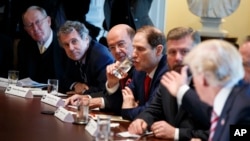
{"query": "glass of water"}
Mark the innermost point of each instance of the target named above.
(53, 85)
(13, 76)
(123, 68)
(103, 128)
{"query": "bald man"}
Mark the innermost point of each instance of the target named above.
(119, 40)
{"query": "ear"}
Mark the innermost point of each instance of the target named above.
(159, 50)
(49, 20)
(204, 81)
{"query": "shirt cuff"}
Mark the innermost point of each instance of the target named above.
(72, 86)
(102, 103)
(113, 89)
(176, 134)
(181, 92)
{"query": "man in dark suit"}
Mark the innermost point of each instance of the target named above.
(86, 70)
(149, 60)
(217, 71)
(40, 56)
(163, 116)
(120, 39)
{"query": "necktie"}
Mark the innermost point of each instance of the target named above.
(42, 49)
(146, 87)
(213, 121)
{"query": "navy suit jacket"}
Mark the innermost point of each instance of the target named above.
(236, 110)
(41, 67)
(97, 58)
(164, 107)
(137, 87)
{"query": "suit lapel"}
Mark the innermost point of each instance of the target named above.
(223, 120)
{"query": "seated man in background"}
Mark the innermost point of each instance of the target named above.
(149, 60)
(40, 56)
(245, 54)
(218, 75)
(86, 69)
(119, 39)
(163, 116)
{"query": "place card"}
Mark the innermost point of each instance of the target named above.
(91, 127)
(3, 82)
(19, 91)
(52, 100)
(64, 115)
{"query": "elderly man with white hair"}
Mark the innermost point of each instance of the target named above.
(218, 74)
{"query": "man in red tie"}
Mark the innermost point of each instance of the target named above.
(149, 59)
(164, 117)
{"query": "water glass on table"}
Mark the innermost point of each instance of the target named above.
(53, 85)
(82, 113)
(103, 128)
(13, 77)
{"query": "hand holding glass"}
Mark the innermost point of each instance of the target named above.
(123, 68)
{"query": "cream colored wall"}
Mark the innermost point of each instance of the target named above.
(237, 24)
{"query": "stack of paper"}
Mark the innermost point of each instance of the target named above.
(27, 82)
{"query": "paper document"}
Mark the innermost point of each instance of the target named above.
(27, 82)
(43, 92)
(113, 118)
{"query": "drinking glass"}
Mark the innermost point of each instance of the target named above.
(13, 76)
(82, 114)
(103, 128)
(123, 68)
(53, 86)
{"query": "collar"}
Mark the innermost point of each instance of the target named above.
(151, 74)
(221, 97)
(48, 42)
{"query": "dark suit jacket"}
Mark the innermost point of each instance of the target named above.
(164, 107)
(236, 110)
(139, 10)
(41, 67)
(6, 55)
(97, 58)
(137, 88)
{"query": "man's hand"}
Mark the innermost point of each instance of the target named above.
(79, 88)
(111, 78)
(162, 129)
(75, 99)
(138, 126)
(128, 99)
(173, 80)
(95, 103)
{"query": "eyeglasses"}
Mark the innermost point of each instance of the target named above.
(119, 45)
(37, 23)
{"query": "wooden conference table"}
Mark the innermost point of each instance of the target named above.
(21, 120)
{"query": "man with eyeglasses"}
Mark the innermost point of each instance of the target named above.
(119, 40)
(245, 54)
(164, 117)
(40, 56)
